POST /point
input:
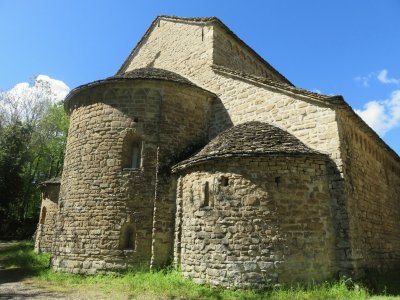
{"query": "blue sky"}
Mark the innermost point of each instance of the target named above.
(341, 47)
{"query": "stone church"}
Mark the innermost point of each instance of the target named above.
(198, 153)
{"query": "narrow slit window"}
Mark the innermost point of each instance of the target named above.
(130, 240)
(136, 155)
(43, 216)
(206, 191)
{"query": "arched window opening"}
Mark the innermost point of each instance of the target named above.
(43, 215)
(132, 152)
(127, 239)
(136, 155)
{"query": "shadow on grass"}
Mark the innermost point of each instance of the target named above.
(16, 274)
(18, 261)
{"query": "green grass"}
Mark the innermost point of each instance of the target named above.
(168, 284)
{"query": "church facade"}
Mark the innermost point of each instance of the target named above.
(199, 153)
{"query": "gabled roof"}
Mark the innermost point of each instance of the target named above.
(250, 139)
(200, 21)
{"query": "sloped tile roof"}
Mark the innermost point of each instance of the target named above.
(329, 100)
(54, 180)
(137, 74)
(153, 73)
(247, 140)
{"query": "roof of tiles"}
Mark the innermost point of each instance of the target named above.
(152, 73)
(137, 74)
(249, 139)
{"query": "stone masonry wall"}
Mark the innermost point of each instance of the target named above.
(312, 122)
(175, 46)
(47, 218)
(260, 221)
(372, 177)
(99, 197)
(184, 125)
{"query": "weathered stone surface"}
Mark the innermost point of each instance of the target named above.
(284, 237)
(372, 182)
(99, 194)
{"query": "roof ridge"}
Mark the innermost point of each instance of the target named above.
(277, 84)
(193, 19)
(153, 73)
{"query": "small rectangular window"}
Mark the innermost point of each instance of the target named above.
(127, 239)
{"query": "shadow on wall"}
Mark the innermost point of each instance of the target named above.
(219, 121)
(151, 64)
(340, 220)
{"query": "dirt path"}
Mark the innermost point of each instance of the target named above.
(12, 285)
(20, 290)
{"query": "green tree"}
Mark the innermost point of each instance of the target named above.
(45, 156)
(13, 157)
(47, 144)
(33, 131)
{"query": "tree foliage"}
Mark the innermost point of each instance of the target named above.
(13, 157)
(33, 131)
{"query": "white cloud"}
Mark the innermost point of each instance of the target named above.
(382, 77)
(382, 115)
(58, 87)
(27, 102)
(54, 89)
(364, 80)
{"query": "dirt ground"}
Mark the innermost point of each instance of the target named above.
(14, 286)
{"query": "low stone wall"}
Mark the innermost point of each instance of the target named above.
(245, 222)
